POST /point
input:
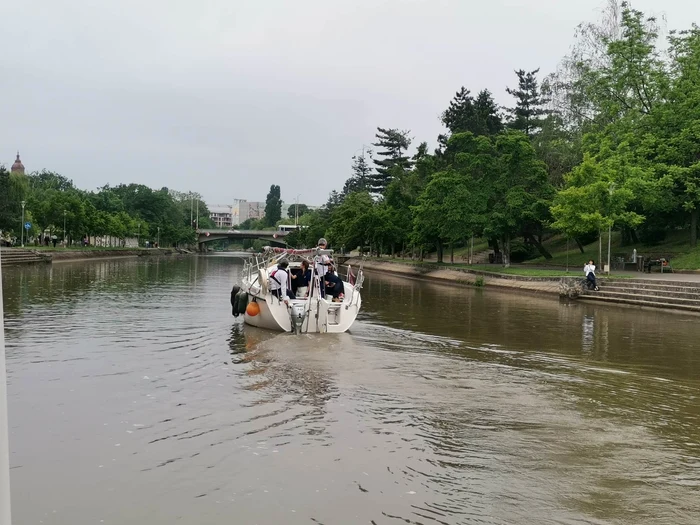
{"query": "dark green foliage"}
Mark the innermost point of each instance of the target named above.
(273, 205)
(529, 111)
(393, 160)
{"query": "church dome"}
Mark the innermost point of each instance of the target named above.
(17, 167)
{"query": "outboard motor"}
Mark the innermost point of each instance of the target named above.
(297, 313)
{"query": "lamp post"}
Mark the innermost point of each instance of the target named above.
(158, 238)
(22, 225)
(138, 236)
(65, 245)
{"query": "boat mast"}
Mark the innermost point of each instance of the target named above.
(4, 439)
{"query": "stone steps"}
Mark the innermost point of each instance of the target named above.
(11, 256)
(675, 294)
(668, 299)
(642, 303)
(686, 293)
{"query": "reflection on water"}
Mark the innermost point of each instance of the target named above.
(135, 397)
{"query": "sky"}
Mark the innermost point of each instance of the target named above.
(226, 97)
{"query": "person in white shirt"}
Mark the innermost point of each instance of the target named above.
(278, 282)
(321, 263)
(589, 272)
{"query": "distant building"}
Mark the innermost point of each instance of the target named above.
(222, 216)
(17, 167)
(243, 210)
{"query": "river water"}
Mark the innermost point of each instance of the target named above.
(135, 397)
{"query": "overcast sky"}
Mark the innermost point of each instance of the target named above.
(226, 97)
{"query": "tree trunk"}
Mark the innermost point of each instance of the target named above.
(537, 243)
(506, 251)
(580, 246)
(421, 254)
(439, 251)
(600, 248)
(452, 253)
(694, 227)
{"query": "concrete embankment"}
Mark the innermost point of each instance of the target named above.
(462, 276)
(78, 255)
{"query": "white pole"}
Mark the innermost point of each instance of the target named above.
(609, 236)
(198, 212)
(22, 225)
(4, 434)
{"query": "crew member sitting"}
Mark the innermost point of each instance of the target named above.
(334, 285)
(278, 282)
(301, 279)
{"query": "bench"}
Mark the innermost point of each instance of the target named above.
(652, 261)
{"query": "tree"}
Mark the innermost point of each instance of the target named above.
(527, 115)
(361, 178)
(393, 145)
(353, 221)
(478, 116)
(273, 206)
(676, 127)
(519, 192)
(297, 210)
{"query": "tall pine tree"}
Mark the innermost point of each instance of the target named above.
(393, 145)
(529, 111)
(488, 119)
(479, 116)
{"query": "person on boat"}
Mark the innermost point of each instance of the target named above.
(321, 263)
(278, 282)
(333, 285)
(589, 272)
(301, 280)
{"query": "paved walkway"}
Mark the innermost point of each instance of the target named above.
(658, 276)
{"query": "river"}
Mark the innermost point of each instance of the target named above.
(135, 397)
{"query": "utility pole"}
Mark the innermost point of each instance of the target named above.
(22, 225)
(65, 244)
(198, 212)
(191, 209)
(4, 434)
(138, 236)
(296, 211)
(158, 241)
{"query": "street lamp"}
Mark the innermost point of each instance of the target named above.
(158, 238)
(22, 225)
(65, 245)
(138, 237)
(296, 211)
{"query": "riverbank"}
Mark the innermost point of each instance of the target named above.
(82, 254)
(462, 276)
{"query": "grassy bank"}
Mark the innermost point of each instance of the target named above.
(676, 246)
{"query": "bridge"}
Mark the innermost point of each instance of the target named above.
(204, 236)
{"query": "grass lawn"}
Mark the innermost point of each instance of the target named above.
(676, 246)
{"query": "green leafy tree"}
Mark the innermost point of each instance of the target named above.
(361, 178)
(273, 206)
(297, 210)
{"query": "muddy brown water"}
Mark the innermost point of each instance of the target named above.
(135, 397)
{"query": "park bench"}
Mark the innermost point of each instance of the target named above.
(651, 261)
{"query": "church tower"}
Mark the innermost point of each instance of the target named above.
(17, 167)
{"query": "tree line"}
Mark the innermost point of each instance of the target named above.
(611, 139)
(123, 211)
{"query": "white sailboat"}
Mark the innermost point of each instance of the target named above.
(309, 314)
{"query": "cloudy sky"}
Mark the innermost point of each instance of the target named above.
(226, 97)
